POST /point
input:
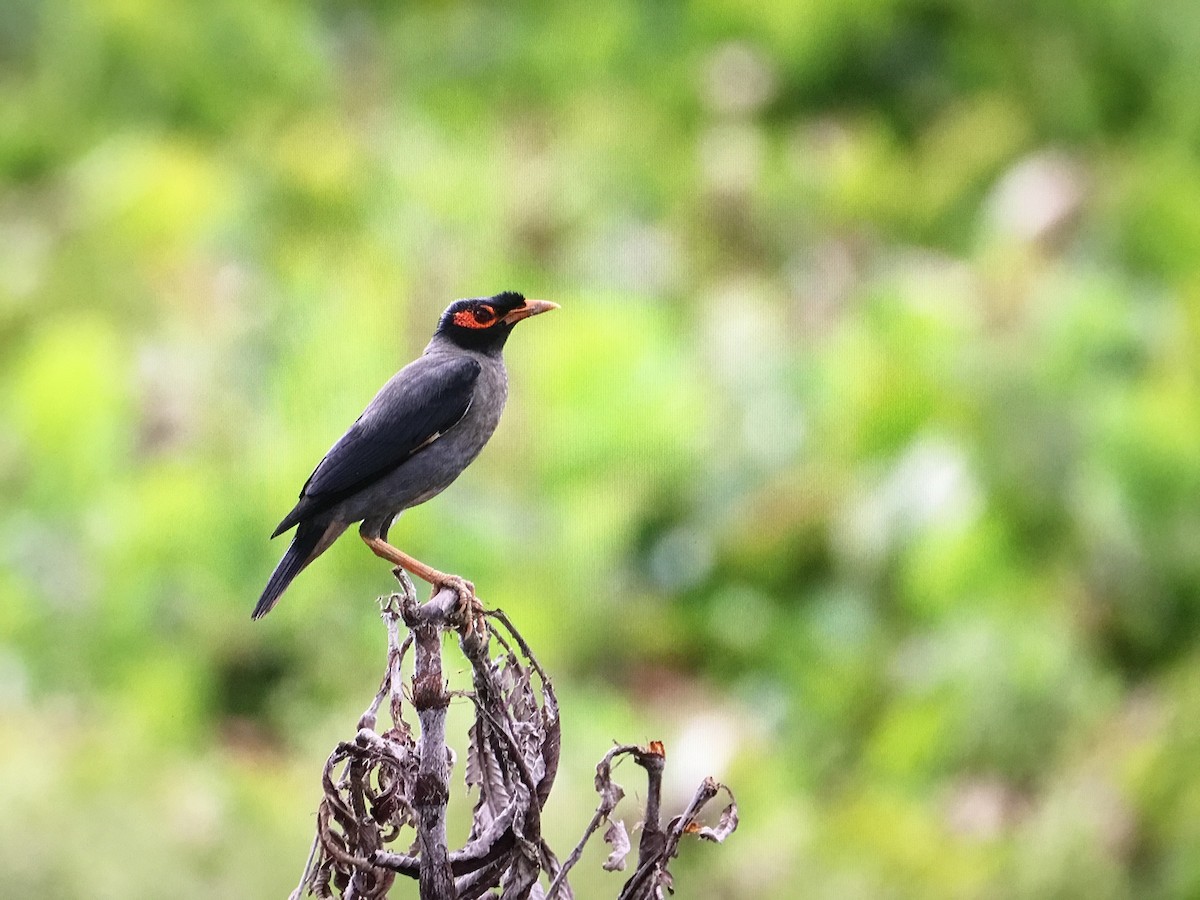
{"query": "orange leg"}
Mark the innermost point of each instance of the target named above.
(471, 608)
(384, 550)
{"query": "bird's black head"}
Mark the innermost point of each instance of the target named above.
(484, 323)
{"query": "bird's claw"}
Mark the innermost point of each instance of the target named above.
(470, 610)
(455, 583)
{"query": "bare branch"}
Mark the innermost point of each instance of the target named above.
(610, 795)
(430, 792)
(652, 876)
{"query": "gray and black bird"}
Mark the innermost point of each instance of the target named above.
(424, 427)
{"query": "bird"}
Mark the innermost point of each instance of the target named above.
(424, 427)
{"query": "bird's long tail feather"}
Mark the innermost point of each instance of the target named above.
(309, 541)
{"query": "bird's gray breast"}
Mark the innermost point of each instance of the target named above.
(433, 468)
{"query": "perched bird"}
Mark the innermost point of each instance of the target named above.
(424, 427)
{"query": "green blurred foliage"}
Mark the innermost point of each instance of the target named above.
(861, 465)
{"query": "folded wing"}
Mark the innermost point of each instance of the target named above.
(418, 405)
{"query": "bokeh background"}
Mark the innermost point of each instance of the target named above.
(861, 464)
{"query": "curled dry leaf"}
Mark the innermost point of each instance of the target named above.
(616, 836)
(610, 792)
(725, 826)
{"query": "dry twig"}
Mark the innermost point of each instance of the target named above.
(379, 786)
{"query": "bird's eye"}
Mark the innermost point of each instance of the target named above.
(475, 317)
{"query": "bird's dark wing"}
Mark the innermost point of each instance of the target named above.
(418, 405)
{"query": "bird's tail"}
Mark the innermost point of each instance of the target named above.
(309, 542)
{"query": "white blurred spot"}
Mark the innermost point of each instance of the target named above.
(1036, 198)
(742, 336)
(822, 278)
(746, 342)
(14, 682)
(196, 809)
(24, 252)
(704, 747)
(731, 158)
(633, 257)
(982, 809)
(930, 485)
(738, 79)
(170, 376)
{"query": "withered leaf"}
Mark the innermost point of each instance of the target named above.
(610, 792)
(485, 771)
(725, 826)
(618, 837)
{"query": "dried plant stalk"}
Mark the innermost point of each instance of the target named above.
(383, 786)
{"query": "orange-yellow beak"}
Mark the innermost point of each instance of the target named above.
(531, 308)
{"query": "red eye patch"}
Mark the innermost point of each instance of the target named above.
(479, 317)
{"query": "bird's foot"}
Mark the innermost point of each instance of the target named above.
(456, 583)
(470, 610)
